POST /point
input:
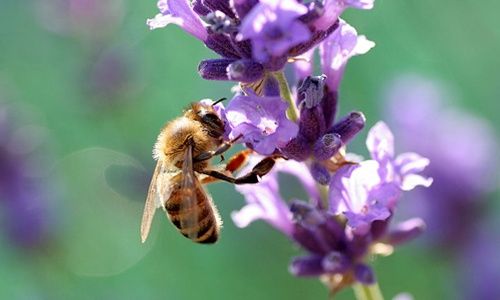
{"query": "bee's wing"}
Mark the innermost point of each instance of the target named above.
(156, 197)
(191, 189)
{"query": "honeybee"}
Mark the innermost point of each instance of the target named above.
(183, 152)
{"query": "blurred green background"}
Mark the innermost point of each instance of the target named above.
(101, 85)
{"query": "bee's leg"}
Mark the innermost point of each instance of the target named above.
(222, 148)
(260, 169)
(235, 163)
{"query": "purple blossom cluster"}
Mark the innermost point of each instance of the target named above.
(253, 37)
(457, 207)
(350, 204)
(340, 230)
(464, 169)
(23, 198)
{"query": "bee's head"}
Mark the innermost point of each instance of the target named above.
(205, 114)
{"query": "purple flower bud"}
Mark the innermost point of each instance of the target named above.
(364, 274)
(311, 123)
(349, 126)
(310, 95)
(327, 146)
(221, 44)
(214, 69)
(307, 266)
(310, 92)
(245, 70)
(329, 106)
(297, 149)
(320, 173)
(406, 231)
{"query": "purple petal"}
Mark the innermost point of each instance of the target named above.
(405, 231)
(334, 8)
(409, 164)
(336, 50)
(262, 122)
(380, 142)
(178, 12)
(299, 170)
(358, 192)
(264, 202)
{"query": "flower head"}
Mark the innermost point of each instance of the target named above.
(273, 27)
(261, 121)
(252, 37)
(462, 149)
(320, 136)
(22, 195)
(331, 247)
(368, 191)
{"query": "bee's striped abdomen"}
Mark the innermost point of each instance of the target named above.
(198, 222)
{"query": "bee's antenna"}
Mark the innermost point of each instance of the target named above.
(219, 101)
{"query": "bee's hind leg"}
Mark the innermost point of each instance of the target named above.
(259, 170)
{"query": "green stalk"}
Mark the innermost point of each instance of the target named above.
(286, 94)
(367, 292)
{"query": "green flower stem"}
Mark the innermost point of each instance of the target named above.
(286, 94)
(367, 292)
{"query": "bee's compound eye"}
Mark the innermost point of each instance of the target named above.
(211, 118)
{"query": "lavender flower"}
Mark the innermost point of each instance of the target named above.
(479, 264)
(252, 37)
(350, 205)
(463, 169)
(273, 26)
(261, 121)
(368, 191)
(456, 206)
(357, 192)
(319, 137)
(21, 192)
(335, 51)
